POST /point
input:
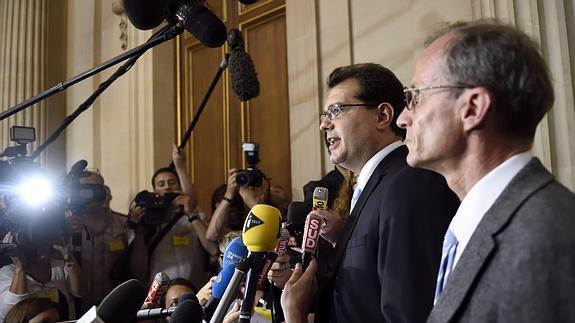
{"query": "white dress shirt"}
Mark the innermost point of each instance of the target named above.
(481, 197)
(369, 167)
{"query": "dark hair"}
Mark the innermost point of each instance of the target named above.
(377, 84)
(506, 62)
(164, 170)
(178, 282)
(25, 310)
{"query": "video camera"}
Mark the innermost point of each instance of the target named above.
(251, 176)
(33, 208)
(158, 208)
(27, 212)
(78, 195)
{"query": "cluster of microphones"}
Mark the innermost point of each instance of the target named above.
(247, 259)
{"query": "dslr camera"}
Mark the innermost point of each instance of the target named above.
(251, 176)
(158, 208)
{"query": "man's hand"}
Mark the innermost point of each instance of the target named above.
(252, 195)
(206, 292)
(185, 201)
(64, 252)
(150, 305)
(331, 225)
(232, 187)
(17, 260)
(178, 157)
(280, 272)
(299, 293)
(74, 222)
(234, 314)
(136, 214)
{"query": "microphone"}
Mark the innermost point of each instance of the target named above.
(320, 197)
(121, 305)
(189, 311)
(154, 313)
(158, 287)
(242, 70)
(78, 167)
(296, 215)
(201, 22)
(262, 229)
(279, 250)
(260, 235)
(283, 243)
(235, 252)
(144, 14)
(218, 289)
(312, 226)
(276, 292)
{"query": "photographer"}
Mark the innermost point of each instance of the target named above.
(102, 238)
(232, 207)
(35, 272)
(182, 251)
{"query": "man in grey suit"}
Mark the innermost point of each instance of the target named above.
(477, 95)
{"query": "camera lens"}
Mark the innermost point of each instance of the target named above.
(242, 179)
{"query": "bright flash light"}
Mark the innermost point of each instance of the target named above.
(35, 190)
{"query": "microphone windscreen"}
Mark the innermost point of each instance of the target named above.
(320, 196)
(297, 212)
(202, 23)
(243, 73)
(78, 167)
(122, 304)
(188, 312)
(235, 252)
(144, 14)
(222, 281)
(262, 228)
(188, 296)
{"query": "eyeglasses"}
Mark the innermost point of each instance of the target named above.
(413, 94)
(335, 109)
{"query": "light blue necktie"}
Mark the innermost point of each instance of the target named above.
(355, 197)
(447, 256)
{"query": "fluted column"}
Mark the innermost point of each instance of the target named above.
(23, 41)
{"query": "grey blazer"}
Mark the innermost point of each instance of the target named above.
(519, 265)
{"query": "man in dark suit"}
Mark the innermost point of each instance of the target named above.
(386, 256)
(478, 93)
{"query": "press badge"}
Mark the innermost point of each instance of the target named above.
(180, 241)
(49, 294)
(116, 245)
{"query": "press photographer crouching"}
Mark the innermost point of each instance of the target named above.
(109, 250)
(175, 231)
(42, 266)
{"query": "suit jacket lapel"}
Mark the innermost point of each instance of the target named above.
(372, 183)
(482, 243)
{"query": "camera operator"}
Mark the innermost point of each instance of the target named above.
(183, 251)
(36, 272)
(105, 236)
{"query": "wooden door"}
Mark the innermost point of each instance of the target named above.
(215, 145)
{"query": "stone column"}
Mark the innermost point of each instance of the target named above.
(23, 38)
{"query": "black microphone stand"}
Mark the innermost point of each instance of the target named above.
(165, 34)
(169, 32)
(188, 133)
